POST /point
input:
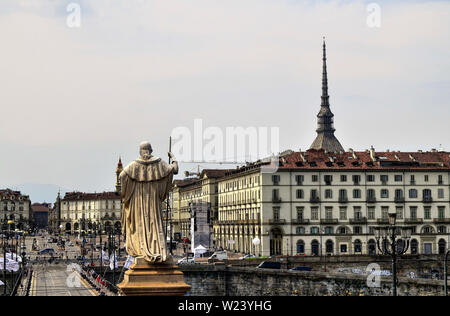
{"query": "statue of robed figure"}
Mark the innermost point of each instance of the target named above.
(145, 184)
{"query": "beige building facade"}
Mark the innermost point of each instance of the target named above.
(321, 203)
(86, 212)
(15, 207)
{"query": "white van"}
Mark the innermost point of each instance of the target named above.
(219, 255)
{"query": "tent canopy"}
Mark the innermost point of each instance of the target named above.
(200, 250)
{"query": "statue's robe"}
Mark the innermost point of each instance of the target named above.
(145, 185)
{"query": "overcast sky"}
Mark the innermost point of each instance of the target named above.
(74, 99)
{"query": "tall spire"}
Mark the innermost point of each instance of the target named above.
(325, 97)
(325, 130)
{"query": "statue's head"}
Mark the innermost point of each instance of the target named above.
(145, 150)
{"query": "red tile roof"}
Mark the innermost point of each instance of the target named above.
(319, 159)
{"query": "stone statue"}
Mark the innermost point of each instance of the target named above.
(146, 182)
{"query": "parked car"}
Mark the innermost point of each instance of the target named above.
(301, 269)
(300, 254)
(46, 250)
(269, 265)
(186, 260)
(219, 255)
(246, 256)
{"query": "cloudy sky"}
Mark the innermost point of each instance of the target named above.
(74, 99)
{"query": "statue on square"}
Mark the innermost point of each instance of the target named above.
(145, 184)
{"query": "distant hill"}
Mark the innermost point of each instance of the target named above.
(40, 192)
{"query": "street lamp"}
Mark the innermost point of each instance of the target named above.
(445, 273)
(388, 235)
(256, 241)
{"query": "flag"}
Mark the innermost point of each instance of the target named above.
(113, 261)
(129, 262)
(104, 256)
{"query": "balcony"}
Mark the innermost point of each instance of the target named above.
(276, 199)
(362, 220)
(383, 221)
(399, 199)
(371, 199)
(302, 221)
(277, 221)
(343, 199)
(329, 221)
(441, 220)
(427, 199)
(314, 199)
(414, 220)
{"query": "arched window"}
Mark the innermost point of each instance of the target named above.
(427, 230)
(329, 246)
(358, 246)
(442, 246)
(400, 246)
(315, 247)
(300, 246)
(414, 247)
(371, 247)
(343, 230)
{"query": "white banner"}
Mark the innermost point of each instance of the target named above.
(129, 262)
(113, 261)
(105, 257)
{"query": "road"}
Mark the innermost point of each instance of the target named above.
(52, 280)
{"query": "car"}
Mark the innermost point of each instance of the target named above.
(246, 257)
(300, 254)
(219, 255)
(301, 269)
(46, 250)
(269, 265)
(186, 260)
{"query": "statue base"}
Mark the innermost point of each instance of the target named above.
(153, 279)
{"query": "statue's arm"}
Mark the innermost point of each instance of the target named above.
(174, 163)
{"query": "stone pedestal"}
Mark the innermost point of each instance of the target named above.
(157, 279)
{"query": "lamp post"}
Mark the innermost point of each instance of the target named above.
(256, 241)
(4, 260)
(445, 273)
(388, 235)
(101, 247)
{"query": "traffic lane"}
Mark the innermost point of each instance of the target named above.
(59, 281)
